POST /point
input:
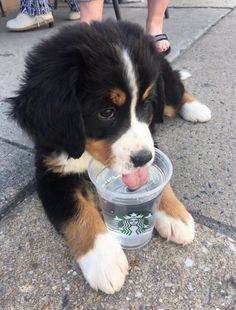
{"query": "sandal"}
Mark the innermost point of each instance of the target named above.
(161, 37)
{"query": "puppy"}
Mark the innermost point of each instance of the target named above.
(96, 91)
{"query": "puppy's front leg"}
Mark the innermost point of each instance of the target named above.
(100, 257)
(192, 110)
(172, 220)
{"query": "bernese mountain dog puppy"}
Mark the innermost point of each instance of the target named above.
(96, 91)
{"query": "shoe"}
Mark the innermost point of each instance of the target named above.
(74, 15)
(161, 37)
(24, 22)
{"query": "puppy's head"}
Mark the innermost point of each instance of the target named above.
(92, 87)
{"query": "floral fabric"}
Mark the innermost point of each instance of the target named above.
(39, 7)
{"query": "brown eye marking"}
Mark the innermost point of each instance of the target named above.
(118, 97)
(148, 91)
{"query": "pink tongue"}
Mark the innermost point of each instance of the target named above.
(135, 179)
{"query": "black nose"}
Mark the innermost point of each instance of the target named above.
(141, 158)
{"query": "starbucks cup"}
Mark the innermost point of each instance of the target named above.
(129, 215)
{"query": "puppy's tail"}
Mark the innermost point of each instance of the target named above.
(184, 74)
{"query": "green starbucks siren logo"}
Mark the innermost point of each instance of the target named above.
(133, 223)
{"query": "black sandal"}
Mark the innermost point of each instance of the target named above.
(161, 37)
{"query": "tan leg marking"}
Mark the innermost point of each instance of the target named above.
(187, 98)
(81, 232)
(173, 222)
(172, 206)
(169, 111)
(99, 255)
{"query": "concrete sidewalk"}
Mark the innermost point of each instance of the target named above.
(36, 270)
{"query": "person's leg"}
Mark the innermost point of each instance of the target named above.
(73, 5)
(154, 23)
(74, 9)
(33, 14)
(34, 7)
(91, 10)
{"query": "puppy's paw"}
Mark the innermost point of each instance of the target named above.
(178, 230)
(195, 112)
(105, 266)
(184, 74)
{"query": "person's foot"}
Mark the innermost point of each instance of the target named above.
(162, 43)
(24, 22)
(74, 15)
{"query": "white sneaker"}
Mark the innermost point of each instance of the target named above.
(74, 15)
(25, 22)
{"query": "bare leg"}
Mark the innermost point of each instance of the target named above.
(154, 23)
(91, 11)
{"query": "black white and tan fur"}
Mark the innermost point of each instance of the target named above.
(96, 91)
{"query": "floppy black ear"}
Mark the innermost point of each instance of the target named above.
(47, 105)
(169, 90)
(158, 101)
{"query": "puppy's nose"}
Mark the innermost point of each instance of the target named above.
(141, 158)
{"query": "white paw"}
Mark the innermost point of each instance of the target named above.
(105, 266)
(195, 112)
(184, 74)
(174, 229)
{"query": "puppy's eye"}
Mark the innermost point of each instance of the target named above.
(107, 114)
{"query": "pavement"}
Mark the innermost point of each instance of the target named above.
(36, 270)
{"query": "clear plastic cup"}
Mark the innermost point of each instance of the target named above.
(129, 215)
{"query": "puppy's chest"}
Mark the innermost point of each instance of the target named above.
(79, 165)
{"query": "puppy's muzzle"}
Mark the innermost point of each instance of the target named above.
(141, 158)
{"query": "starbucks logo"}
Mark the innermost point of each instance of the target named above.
(133, 224)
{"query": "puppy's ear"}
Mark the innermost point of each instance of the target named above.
(48, 107)
(159, 101)
(169, 90)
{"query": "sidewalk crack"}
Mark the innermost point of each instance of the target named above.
(25, 192)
